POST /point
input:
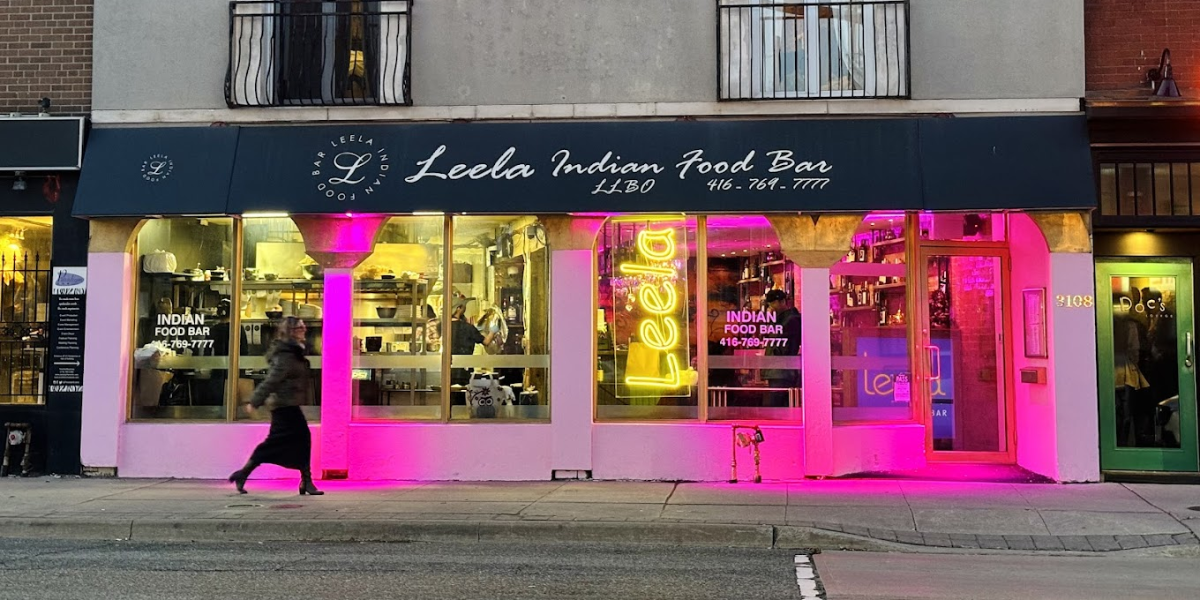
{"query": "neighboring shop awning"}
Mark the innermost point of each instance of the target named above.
(924, 163)
(156, 171)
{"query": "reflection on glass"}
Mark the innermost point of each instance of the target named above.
(753, 323)
(872, 376)
(278, 279)
(964, 227)
(965, 353)
(397, 361)
(181, 359)
(497, 324)
(24, 308)
(1145, 362)
(646, 323)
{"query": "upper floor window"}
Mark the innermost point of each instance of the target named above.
(319, 52)
(813, 49)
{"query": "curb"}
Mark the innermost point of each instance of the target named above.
(808, 536)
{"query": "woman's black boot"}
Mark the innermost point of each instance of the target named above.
(240, 476)
(306, 485)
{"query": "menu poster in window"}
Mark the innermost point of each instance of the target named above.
(68, 295)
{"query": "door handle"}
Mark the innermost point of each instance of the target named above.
(1191, 351)
(935, 362)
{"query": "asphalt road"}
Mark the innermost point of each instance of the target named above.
(880, 576)
(53, 570)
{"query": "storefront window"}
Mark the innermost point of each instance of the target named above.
(279, 279)
(24, 308)
(181, 357)
(960, 227)
(398, 354)
(646, 321)
(872, 377)
(753, 322)
(497, 321)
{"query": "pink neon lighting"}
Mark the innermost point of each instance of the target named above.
(336, 366)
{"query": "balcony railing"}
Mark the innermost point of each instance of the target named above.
(319, 53)
(810, 49)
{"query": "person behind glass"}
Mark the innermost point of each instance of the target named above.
(289, 442)
(463, 338)
(789, 320)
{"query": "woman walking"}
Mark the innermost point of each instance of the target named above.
(289, 443)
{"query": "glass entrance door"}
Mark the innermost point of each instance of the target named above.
(1147, 366)
(963, 366)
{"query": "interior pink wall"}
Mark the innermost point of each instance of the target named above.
(1037, 447)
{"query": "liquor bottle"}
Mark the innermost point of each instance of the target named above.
(862, 252)
(511, 312)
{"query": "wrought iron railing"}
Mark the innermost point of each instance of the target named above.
(319, 53)
(24, 331)
(1149, 189)
(809, 49)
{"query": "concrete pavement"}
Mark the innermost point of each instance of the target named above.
(866, 514)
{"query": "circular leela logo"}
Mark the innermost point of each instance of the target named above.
(351, 166)
(157, 168)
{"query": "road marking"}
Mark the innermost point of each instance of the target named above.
(807, 578)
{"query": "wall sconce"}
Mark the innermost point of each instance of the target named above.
(1163, 78)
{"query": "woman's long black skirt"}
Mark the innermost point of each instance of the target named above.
(289, 444)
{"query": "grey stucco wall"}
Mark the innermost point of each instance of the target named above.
(997, 49)
(172, 54)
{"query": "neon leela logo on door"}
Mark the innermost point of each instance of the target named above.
(655, 273)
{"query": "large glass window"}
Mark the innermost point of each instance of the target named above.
(278, 279)
(181, 356)
(497, 322)
(753, 322)
(868, 289)
(646, 321)
(398, 353)
(24, 308)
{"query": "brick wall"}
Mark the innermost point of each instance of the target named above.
(1125, 38)
(46, 50)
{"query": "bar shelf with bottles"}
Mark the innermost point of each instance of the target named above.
(867, 298)
(867, 288)
(761, 273)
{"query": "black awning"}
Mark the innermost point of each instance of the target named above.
(156, 171)
(984, 163)
(807, 165)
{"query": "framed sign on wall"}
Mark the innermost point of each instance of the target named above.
(1034, 310)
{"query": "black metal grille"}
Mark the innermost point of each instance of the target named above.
(1150, 189)
(24, 311)
(812, 49)
(319, 53)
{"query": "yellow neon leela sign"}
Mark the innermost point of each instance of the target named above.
(655, 286)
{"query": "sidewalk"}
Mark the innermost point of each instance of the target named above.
(867, 514)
